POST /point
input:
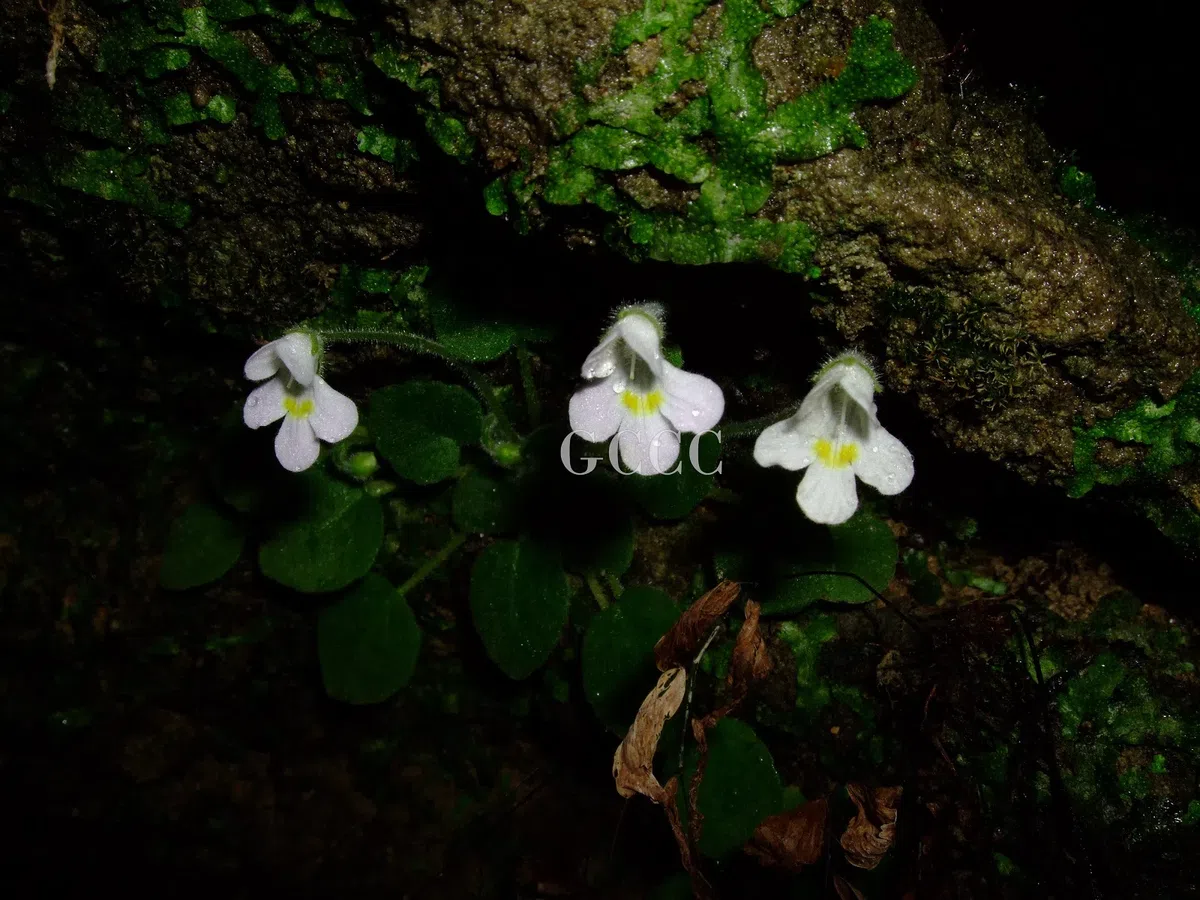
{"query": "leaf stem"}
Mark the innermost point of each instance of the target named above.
(752, 426)
(533, 403)
(597, 590)
(431, 564)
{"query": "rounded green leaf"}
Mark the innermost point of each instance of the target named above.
(519, 600)
(485, 505)
(864, 546)
(618, 653)
(202, 545)
(674, 496)
(326, 539)
(476, 334)
(419, 427)
(368, 643)
(739, 789)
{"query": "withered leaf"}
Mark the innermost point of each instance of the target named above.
(748, 663)
(633, 763)
(872, 831)
(679, 645)
(845, 890)
(794, 839)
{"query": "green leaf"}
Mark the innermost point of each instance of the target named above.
(674, 496)
(475, 335)
(618, 653)
(202, 545)
(864, 546)
(368, 643)
(419, 427)
(485, 505)
(519, 601)
(327, 539)
(740, 787)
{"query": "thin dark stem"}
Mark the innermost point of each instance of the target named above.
(752, 427)
(417, 344)
(533, 403)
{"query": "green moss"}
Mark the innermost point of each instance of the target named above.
(1170, 433)
(1077, 185)
(448, 131)
(179, 110)
(113, 175)
(377, 142)
(743, 139)
(805, 640)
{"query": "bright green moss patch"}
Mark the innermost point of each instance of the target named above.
(812, 692)
(377, 142)
(112, 175)
(447, 131)
(726, 142)
(1169, 434)
(1077, 185)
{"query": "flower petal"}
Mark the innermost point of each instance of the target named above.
(884, 463)
(790, 443)
(263, 362)
(692, 403)
(649, 445)
(595, 411)
(295, 351)
(641, 336)
(334, 415)
(296, 447)
(265, 404)
(858, 383)
(602, 361)
(826, 495)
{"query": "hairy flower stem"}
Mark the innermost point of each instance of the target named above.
(417, 344)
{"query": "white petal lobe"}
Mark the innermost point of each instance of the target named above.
(641, 336)
(334, 414)
(884, 463)
(826, 495)
(295, 351)
(692, 402)
(265, 404)
(595, 411)
(296, 447)
(263, 363)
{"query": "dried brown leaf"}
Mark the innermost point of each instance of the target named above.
(845, 890)
(679, 645)
(633, 763)
(872, 831)
(794, 839)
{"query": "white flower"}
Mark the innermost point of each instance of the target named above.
(639, 396)
(309, 407)
(837, 435)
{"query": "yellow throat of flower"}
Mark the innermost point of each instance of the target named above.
(642, 404)
(298, 409)
(835, 456)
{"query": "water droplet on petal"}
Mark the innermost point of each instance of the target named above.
(618, 386)
(695, 413)
(891, 479)
(252, 402)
